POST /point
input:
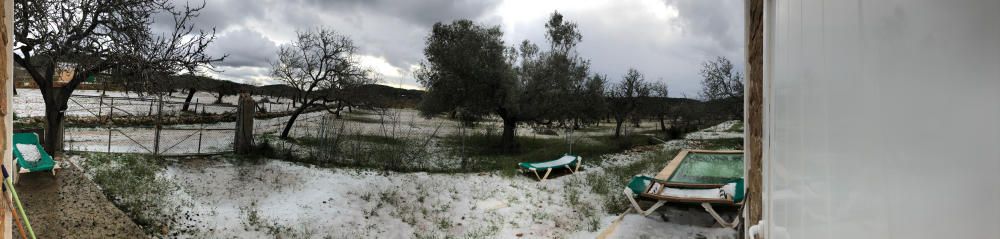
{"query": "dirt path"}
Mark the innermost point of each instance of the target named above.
(69, 205)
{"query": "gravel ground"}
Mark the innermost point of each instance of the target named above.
(71, 206)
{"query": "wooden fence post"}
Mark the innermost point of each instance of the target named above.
(159, 124)
(243, 141)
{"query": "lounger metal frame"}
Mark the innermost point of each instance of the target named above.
(572, 170)
(706, 203)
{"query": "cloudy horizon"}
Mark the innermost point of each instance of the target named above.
(666, 40)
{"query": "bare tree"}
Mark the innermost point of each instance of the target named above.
(87, 38)
(319, 63)
(626, 97)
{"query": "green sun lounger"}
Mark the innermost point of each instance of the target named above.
(694, 176)
(45, 162)
(571, 162)
(662, 191)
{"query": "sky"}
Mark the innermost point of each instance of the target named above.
(666, 40)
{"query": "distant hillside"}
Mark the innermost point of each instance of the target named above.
(393, 96)
(367, 94)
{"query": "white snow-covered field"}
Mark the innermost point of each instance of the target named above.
(396, 122)
(179, 139)
(289, 200)
(720, 131)
(29, 103)
(275, 198)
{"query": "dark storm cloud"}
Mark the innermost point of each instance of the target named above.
(420, 13)
(391, 30)
(665, 39)
(243, 47)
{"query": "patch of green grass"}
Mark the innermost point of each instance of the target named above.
(485, 153)
(737, 127)
(600, 128)
(613, 179)
(130, 181)
(361, 119)
(720, 144)
(374, 139)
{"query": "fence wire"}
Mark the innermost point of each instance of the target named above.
(118, 122)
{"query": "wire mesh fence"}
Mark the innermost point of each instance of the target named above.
(150, 125)
(119, 122)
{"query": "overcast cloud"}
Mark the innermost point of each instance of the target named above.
(664, 39)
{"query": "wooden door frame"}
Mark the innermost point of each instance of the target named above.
(754, 103)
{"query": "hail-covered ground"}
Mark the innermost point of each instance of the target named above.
(224, 197)
(228, 198)
(29, 103)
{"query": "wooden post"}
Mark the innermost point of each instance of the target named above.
(755, 108)
(243, 141)
(100, 105)
(111, 117)
(159, 123)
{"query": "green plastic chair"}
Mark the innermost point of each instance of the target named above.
(45, 163)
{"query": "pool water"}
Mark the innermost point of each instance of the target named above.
(709, 168)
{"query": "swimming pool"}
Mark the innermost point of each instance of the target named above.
(704, 167)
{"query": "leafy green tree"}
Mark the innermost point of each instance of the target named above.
(722, 86)
(468, 72)
(657, 105)
(626, 97)
(591, 105)
(555, 81)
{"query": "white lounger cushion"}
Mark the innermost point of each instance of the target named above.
(566, 159)
(30, 152)
(724, 192)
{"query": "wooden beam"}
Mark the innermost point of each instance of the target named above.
(672, 166)
(755, 108)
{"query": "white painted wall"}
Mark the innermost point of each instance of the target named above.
(882, 119)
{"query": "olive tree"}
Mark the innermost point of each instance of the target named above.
(470, 72)
(467, 71)
(722, 86)
(626, 97)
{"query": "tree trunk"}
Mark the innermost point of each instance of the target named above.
(618, 126)
(336, 114)
(187, 102)
(54, 113)
(507, 141)
(663, 125)
(291, 120)
(218, 100)
(53, 130)
(15, 89)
